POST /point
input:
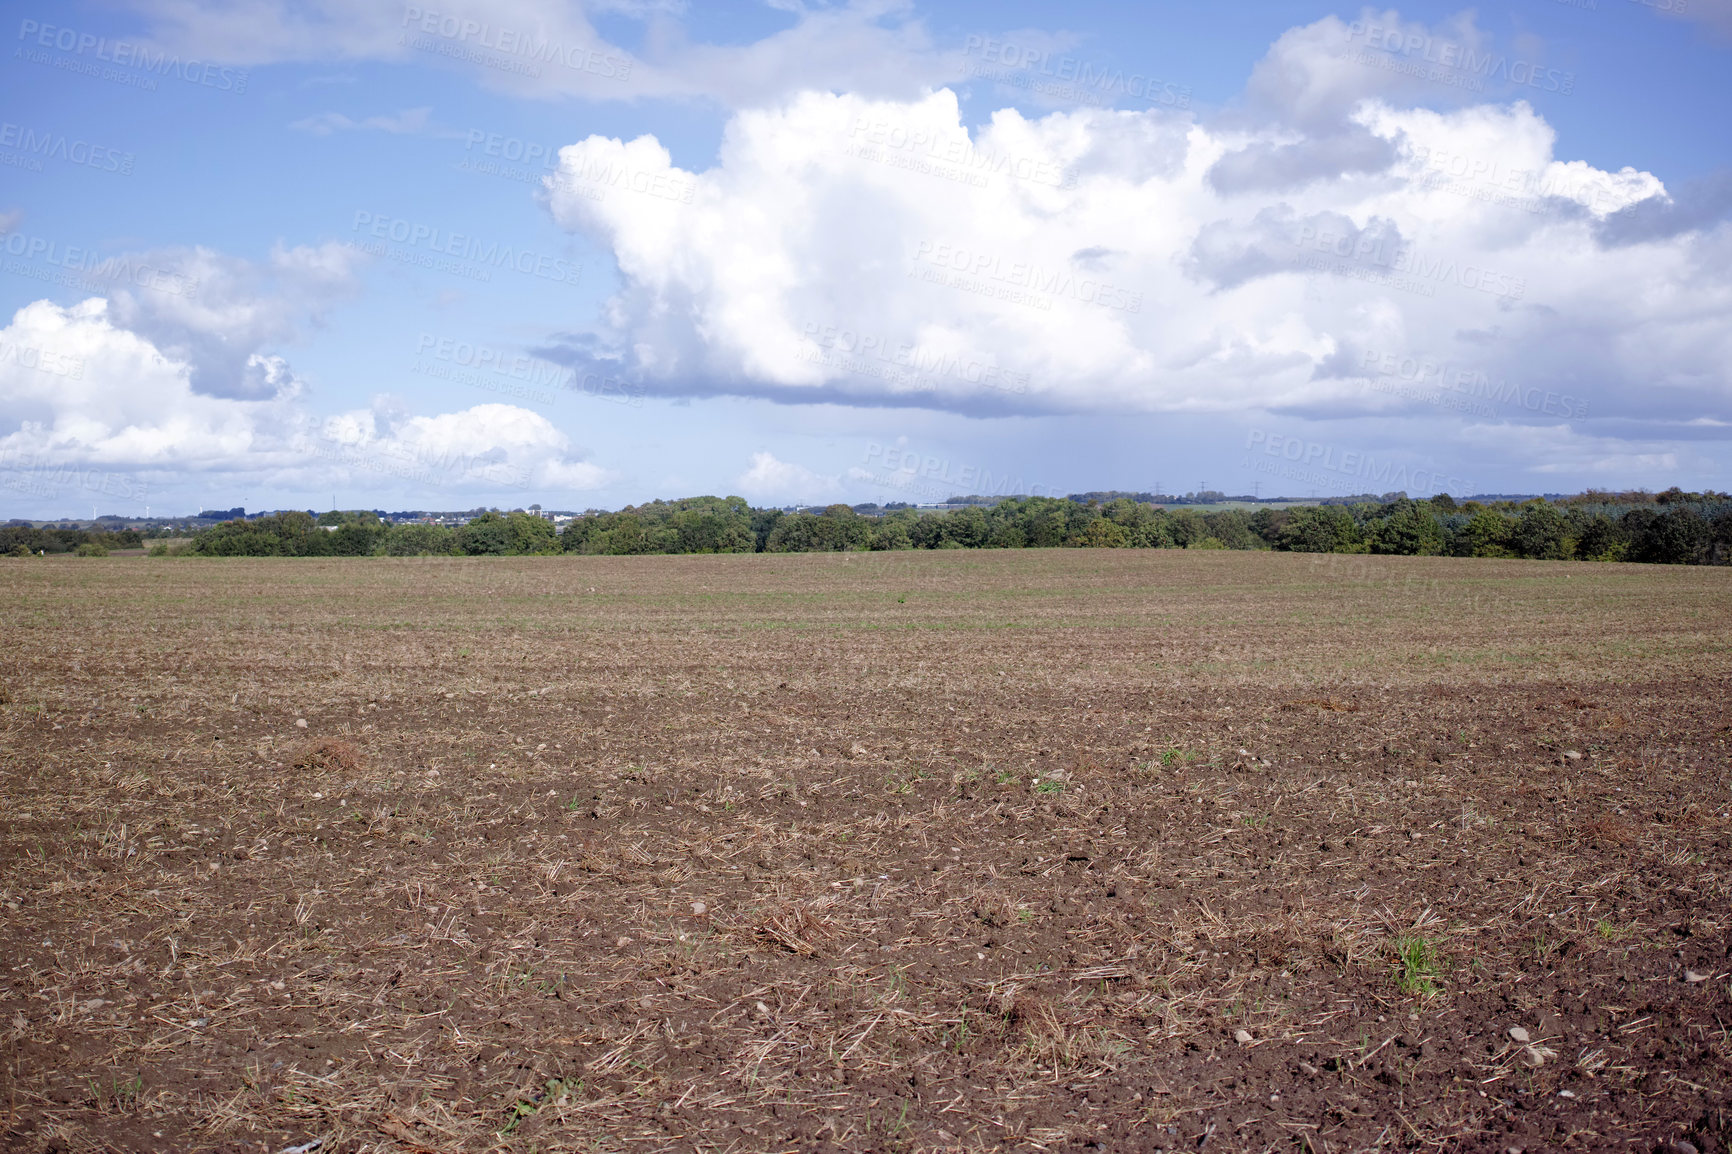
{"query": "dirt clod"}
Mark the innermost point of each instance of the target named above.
(333, 756)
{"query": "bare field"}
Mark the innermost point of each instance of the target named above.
(1034, 850)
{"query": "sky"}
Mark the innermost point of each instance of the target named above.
(368, 254)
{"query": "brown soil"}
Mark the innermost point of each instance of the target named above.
(1068, 850)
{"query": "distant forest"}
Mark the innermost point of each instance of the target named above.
(1672, 528)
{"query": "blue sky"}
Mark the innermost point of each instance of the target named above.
(435, 256)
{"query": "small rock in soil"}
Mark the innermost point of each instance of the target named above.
(1518, 1034)
(1692, 976)
(1243, 1037)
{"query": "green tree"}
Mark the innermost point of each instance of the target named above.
(967, 528)
(529, 535)
(836, 529)
(1233, 529)
(1680, 536)
(1102, 533)
(291, 534)
(357, 539)
(1186, 526)
(1541, 532)
(1486, 534)
(418, 540)
(711, 525)
(1599, 538)
(1047, 521)
(1318, 529)
(488, 535)
(1407, 529)
(622, 535)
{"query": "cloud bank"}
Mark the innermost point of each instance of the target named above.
(879, 251)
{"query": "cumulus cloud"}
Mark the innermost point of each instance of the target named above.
(1314, 75)
(216, 312)
(770, 479)
(486, 445)
(1271, 166)
(883, 252)
(81, 390)
(1698, 205)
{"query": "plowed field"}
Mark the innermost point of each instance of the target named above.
(1033, 850)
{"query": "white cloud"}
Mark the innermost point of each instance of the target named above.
(217, 312)
(409, 122)
(538, 48)
(91, 392)
(1547, 451)
(80, 390)
(879, 252)
(770, 479)
(486, 445)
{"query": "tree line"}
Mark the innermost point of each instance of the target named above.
(26, 541)
(1672, 528)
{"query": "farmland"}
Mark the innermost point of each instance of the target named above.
(1030, 849)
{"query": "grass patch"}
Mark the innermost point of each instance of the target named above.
(1420, 965)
